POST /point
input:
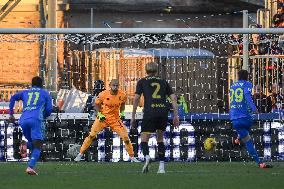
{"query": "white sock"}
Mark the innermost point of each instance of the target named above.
(162, 165)
(147, 157)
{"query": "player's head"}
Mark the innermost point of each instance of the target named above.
(114, 85)
(37, 82)
(243, 75)
(99, 86)
(151, 68)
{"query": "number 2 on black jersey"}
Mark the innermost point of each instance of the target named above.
(157, 89)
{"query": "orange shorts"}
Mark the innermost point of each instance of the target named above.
(115, 125)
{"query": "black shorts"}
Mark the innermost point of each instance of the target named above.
(151, 125)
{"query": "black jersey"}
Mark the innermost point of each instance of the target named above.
(155, 91)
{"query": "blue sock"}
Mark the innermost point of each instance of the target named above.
(252, 152)
(34, 157)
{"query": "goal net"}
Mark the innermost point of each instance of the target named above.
(199, 66)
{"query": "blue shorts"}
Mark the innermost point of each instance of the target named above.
(33, 129)
(242, 126)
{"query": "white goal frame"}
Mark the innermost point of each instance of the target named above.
(142, 30)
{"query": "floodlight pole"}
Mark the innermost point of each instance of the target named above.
(245, 42)
(42, 56)
(92, 25)
(52, 48)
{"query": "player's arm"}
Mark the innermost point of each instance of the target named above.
(14, 98)
(249, 100)
(98, 106)
(48, 106)
(135, 105)
(173, 98)
(139, 91)
(175, 109)
(98, 102)
(121, 111)
(174, 104)
(100, 115)
(122, 107)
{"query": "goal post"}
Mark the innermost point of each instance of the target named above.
(141, 30)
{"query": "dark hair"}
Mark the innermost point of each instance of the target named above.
(243, 75)
(37, 81)
(99, 86)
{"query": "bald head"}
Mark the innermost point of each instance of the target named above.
(114, 85)
(114, 81)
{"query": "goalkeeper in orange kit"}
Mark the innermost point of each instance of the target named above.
(110, 105)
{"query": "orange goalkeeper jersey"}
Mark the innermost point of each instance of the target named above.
(110, 104)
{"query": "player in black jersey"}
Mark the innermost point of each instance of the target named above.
(155, 113)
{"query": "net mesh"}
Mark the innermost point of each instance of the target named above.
(199, 67)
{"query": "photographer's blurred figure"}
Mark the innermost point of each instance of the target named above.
(276, 98)
(260, 100)
(99, 86)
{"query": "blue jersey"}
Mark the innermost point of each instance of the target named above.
(37, 103)
(241, 103)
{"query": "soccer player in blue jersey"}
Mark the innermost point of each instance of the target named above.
(241, 110)
(37, 105)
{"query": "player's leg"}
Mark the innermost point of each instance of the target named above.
(242, 127)
(161, 125)
(121, 130)
(147, 127)
(249, 146)
(161, 151)
(252, 151)
(37, 135)
(237, 141)
(96, 128)
(37, 144)
(145, 150)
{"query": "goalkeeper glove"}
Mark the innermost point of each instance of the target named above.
(122, 115)
(101, 116)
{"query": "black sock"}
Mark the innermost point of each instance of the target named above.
(161, 151)
(145, 148)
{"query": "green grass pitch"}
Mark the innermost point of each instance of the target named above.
(85, 175)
